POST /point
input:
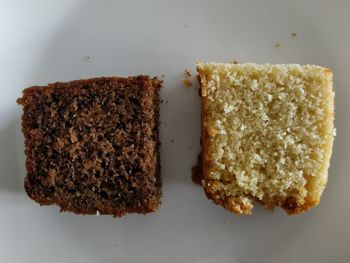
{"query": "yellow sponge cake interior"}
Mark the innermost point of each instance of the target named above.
(267, 134)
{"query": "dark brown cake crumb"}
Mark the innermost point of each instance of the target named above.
(187, 78)
(187, 73)
(92, 146)
(294, 34)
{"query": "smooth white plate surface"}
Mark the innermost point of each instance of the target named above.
(46, 41)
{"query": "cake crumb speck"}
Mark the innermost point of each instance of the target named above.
(187, 82)
(234, 62)
(187, 73)
(187, 78)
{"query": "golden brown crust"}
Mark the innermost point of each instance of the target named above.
(204, 164)
(232, 204)
(197, 171)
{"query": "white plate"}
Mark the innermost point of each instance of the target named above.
(45, 41)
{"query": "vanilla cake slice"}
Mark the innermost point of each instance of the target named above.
(267, 134)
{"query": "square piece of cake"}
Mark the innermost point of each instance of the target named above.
(267, 134)
(92, 146)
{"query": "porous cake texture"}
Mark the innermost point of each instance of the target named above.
(267, 134)
(92, 146)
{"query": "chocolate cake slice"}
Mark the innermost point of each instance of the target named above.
(92, 146)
